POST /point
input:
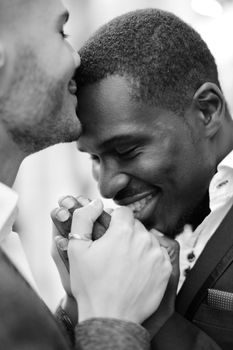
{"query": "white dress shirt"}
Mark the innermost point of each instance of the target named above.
(10, 241)
(221, 200)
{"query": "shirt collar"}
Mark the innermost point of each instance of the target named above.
(221, 185)
(8, 210)
(227, 161)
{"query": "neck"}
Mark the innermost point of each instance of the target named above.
(224, 144)
(10, 159)
(9, 169)
(200, 213)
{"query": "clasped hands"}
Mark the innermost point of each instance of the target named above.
(123, 274)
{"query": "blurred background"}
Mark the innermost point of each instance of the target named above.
(61, 170)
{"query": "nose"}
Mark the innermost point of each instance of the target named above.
(110, 179)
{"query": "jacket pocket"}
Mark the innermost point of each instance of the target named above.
(218, 324)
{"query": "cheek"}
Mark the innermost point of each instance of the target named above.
(59, 62)
(160, 159)
(155, 168)
(191, 178)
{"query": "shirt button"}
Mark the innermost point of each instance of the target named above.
(191, 257)
(186, 271)
(222, 184)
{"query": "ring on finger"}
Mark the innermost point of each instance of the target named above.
(78, 237)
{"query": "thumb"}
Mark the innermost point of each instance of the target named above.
(84, 218)
(82, 227)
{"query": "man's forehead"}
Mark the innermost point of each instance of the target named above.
(104, 93)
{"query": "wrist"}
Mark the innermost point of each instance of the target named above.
(87, 311)
(69, 305)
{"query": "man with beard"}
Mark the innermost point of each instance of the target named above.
(37, 109)
(160, 136)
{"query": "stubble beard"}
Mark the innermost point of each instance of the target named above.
(192, 217)
(37, 112)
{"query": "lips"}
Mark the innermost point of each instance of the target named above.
(72, 87)
(140, 204)
(143, 205)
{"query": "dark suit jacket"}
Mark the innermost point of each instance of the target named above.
(27, 324)
(198, 322)
(25, 321)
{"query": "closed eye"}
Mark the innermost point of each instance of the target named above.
(94, 158)
(127, 153)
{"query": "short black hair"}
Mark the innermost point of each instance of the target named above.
(164, 59)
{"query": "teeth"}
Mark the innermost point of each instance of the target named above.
(139, 205)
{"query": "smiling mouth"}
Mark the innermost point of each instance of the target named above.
(137, 206)
(143, 208)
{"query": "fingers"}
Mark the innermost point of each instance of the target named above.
(121, 266)
(102, 223)
(165, 254)
(169, 244)
(83, 201)
(85, 217)
(61, 243)
(59, 250)
(62, 216)
(62, 221)
(109, 210)
(70, 203)
(122, 220)
(159, 241)
(82, 226)
(173, 249)
(141, 228)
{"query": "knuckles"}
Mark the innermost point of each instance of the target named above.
(122, 214)
(82, 214)
(125, 229)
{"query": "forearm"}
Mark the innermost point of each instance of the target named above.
(106, 334)
(103, 333)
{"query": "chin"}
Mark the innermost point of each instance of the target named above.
(171, 231)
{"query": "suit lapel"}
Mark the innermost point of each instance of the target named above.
(215, 258)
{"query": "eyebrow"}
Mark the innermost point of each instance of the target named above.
(127, 138)
(114, 140)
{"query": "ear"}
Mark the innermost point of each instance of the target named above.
(210, 101)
